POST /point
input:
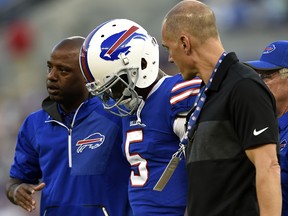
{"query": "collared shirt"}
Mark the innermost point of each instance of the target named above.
(239, 113)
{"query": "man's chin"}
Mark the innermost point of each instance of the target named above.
(55, 98)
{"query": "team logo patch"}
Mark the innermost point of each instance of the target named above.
(269, 49)
(93, 141)
(116, 44)
(283, 144)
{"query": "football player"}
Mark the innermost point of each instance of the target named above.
(120, 62)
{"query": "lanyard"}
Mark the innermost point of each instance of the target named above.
(198, 105)
(199, 102)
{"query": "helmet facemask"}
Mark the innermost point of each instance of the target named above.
(118, 94)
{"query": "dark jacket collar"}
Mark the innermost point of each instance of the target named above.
(51, 107)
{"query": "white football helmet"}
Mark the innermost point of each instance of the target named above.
(116, 57)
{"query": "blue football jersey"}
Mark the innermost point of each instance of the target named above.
(149, 147)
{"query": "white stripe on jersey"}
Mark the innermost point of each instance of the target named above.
(186, 83)
(179, 97)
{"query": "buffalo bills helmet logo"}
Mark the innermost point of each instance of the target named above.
(93, 141)
(117, 43)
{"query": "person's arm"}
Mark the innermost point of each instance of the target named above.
(268, 187)
(21, 193)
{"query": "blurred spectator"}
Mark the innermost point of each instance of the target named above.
(19, 38)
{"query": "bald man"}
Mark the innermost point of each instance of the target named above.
(232, 135)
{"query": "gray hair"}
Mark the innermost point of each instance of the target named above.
(283, 73)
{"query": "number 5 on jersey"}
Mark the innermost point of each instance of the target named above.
(137, 179)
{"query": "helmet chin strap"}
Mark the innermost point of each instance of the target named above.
(126, 92)
(130, 102)
(133, 102)
(138, 113)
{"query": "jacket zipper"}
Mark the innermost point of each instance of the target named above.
(70, 147)
(69, 134)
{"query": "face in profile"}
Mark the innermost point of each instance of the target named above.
(64, 79)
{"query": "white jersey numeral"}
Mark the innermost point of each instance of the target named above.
(138, 179)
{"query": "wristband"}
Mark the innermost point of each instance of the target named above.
(14, 192)
(11, 196)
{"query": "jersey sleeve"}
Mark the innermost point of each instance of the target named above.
(183, 95)
(26, 162)
(253, 115)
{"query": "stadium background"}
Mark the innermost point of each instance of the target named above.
(29, 29)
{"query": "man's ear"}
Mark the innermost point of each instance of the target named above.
(185, 44)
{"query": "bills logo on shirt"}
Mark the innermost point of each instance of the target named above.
(116, 44)
(93, 141)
